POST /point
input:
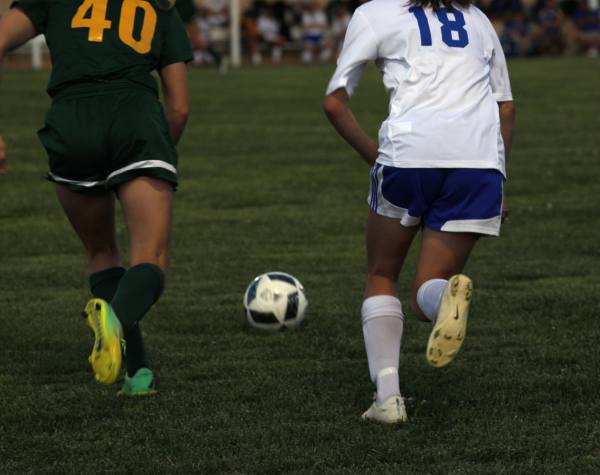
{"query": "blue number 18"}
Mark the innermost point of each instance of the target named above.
(449, 26)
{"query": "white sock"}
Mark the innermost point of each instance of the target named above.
(383, 324)
(429, 296)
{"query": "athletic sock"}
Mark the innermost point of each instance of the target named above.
(138, 290)
(429, 296)
(104, 285)
(135, 353)
(383, 324)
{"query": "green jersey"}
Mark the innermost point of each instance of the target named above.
(96, 43)
(186, 9)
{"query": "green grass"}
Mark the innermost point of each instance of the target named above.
(267, 185)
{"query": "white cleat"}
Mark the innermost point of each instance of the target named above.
(450, 327)
(391, 411)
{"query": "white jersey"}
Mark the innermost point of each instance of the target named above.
(443, 73)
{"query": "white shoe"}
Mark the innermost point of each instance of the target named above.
(391, 411)
(450, 327)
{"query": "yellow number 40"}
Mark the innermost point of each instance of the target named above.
(96, 22)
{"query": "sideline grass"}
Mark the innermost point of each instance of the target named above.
(266, 185)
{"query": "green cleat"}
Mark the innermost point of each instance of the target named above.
(140, 384)
(106, 354)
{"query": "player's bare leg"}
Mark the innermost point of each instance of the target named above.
(92, 217)
(441, 294)
(382, 317)
(146, 204)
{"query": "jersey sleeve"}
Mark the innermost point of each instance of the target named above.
(498, 69)
(360, 47)
(176, 44)
(36, 11)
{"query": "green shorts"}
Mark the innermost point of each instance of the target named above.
(94, 142)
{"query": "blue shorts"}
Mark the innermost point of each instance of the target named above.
(443, 199)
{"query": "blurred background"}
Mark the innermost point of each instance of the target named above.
(233, 32)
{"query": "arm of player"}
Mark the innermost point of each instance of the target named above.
(15, 29)
(507, 123)
(175, 92)
(340, 115)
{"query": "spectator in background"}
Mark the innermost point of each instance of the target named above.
(551, 22)
(587, 21)
(518, 36)
(268, 30)
(339, 23)
(197, 31)
(216, 14)
(314, 30)
(284, 16)
(204, 52)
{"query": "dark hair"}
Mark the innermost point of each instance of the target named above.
(436, 4)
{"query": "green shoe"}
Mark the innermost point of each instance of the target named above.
(140, 384)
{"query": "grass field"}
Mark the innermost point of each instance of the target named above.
(266, 185)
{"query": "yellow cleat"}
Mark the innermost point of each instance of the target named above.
(106, 354)
(450, 327)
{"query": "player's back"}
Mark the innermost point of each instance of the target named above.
(99, 40)
(438, 71)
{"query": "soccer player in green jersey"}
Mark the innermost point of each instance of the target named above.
(107, 136)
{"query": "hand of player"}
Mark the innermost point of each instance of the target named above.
(3, 156)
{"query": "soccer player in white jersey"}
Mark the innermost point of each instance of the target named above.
(439, 167)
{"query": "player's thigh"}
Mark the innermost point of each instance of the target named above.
(147, 208)
(92, 216)
(388, 242)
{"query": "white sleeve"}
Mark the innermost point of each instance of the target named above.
(498, 70)
(360, 47)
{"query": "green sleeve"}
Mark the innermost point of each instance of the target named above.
(186, 9)
(176, 44)
(36, 11)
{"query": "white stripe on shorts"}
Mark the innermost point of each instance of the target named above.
(489, 226)
(85, 184)
(142, 165)
(383, 207)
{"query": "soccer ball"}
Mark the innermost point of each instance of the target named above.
(275, 301)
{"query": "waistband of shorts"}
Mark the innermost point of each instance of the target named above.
(100, 87)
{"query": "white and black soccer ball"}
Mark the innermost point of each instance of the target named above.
(275, 301)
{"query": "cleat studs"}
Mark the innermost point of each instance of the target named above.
(436, 334)
(98, 307)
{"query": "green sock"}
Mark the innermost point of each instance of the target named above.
(135, 356)
(138, 290)
(104, 285)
